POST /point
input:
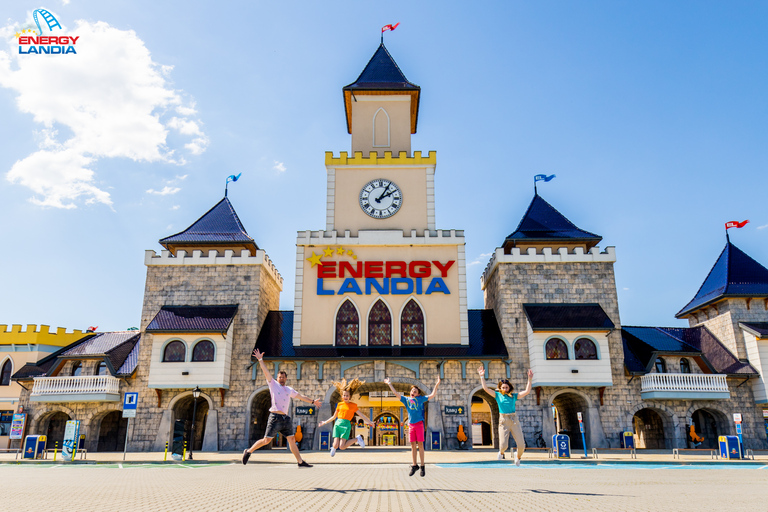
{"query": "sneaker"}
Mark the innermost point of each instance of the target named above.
(422, 471)
(500, 456)
(246, 456)
(413, 470)
(517, 461)
(333, 451)
(361, 441)
(304, 464)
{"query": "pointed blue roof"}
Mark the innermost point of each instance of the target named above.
(218, 226)
(734, 274)
(542, 222)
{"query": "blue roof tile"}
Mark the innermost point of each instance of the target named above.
(542, 222)
(381, 73)
(567, 317)
(219, 225)
(734, 274)
(193, 319)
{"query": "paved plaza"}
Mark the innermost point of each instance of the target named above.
(225, 485)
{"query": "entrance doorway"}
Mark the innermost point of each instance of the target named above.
(485, 420)
(649, 430)
(567, 406)
(112, 433)
(387, 431)
(709, 424)
(259, 415)
(183, 413)
(54, 430)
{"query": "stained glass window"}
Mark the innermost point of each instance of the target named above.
(412, 324)
(380, 325)
(175, 352)
(5, 373)
(347, 325)
(557, 349)
(585, 349)
(203, 351)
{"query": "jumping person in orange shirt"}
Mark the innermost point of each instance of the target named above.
(345, 413)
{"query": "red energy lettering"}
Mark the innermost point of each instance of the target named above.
(444, 268)
(353, 272)
(373, 269)
(396, 268)
(419, 269)
(326, 269)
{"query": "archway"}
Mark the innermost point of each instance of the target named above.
(648, 427)
(182, 413)
(567, 406)
(259, 415)
(710, 424)
(387, 430)
(112, 432)
(485, 420)
(53, 427)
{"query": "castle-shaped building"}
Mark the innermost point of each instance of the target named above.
(381, 292)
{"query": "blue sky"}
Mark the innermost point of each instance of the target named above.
(652, 115)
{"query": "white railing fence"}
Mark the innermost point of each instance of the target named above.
(683, 382)
(73, 385)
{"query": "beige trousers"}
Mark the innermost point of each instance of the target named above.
(508, 424)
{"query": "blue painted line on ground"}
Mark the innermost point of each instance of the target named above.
(599, 465)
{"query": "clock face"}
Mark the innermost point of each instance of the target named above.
(381, 198)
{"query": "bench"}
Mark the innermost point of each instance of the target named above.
(82, 451)
(632, 451)
(712, 452)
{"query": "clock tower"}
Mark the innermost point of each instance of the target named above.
(380, 274)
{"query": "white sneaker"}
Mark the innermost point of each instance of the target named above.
(517, 461)
(333, 451)
(361, 441)
(500, 456)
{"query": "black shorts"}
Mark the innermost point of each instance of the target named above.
(281, 423)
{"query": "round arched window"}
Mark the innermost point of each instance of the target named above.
(203, 351)
(175, 352)
(584, 348)
(557, 349)
(685, 366)
(661, 365)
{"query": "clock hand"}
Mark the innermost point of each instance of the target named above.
(385, 194)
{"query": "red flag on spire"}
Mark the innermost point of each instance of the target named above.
(389, 27)
(735, 224)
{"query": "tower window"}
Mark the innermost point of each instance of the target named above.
(557, 349)
(381, 129)
(585, 348)
(380, 325)
(175, 352)
(661, 365)
(412, 324)
(347, 325)
(685, 366)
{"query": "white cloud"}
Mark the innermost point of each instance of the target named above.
(166, 191)
(181, 178)
(112, 99)
(625, 289)
(763, 226)
(279, 166)
(175, 207)
(482, 259)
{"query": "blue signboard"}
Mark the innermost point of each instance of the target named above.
(561, 444)
(34, 447)
(306, 410)
(454, 409)
(325, 439)
(71, 440)
(628, 440)
(435, 441)
(130, 403)
(730, 447)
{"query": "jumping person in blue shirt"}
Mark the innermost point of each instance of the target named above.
(414, 404)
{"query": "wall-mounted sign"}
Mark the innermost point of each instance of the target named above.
(737, 417)
(306, 411)
(455, 409)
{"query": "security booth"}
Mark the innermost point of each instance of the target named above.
(730, 448)
(561, 445)
(628, 440)
(34, 447)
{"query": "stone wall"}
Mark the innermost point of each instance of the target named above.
(723, 320)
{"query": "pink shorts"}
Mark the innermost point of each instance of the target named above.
(416, 432)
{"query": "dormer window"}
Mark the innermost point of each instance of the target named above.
(661, 365)
(685, 366)
(175, 352)
(77, 369)
(557, 349)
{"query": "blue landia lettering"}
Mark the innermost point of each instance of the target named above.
(386, 286)
(50, 50)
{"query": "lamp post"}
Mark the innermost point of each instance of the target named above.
(196, 394)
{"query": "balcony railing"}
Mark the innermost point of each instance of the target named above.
(684, 385)
(82, 388)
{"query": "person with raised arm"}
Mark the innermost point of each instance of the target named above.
(344, 414)
(279, 421)
(414, 404)
(508, 424)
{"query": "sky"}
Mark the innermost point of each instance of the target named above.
(651, 114)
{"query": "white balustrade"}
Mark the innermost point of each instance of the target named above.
(685, 382)
(47, 386)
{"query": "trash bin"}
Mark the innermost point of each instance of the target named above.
(730, 448)
(561, 444)
(628, 440)
(34, 447)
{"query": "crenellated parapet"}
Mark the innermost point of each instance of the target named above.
(373, 158)
(37, 335)
(377, 237)
(212, 257)
(545, 255)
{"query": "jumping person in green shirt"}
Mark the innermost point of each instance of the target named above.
(508, 424)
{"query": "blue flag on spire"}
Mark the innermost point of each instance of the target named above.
(543, 177)
(235, 178)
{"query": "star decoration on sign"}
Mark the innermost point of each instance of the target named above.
(315, 259)
(329, 252)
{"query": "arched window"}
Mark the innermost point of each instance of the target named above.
(102, 370)
(381, 129)
(77, 369)
(379, 324)
(347, 325)
(557, 349)
(5, 373)
(584, 348)
(203, 351)
(175, 352)
(412, 324)
(661, 365)
(685, 366)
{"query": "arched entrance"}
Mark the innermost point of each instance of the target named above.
(485, 420)
(54, 428)
(259, 415)
(112, 432)
(182, 413)
(710, 424)
(648, 427)
(387, 431)
(567, 406)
